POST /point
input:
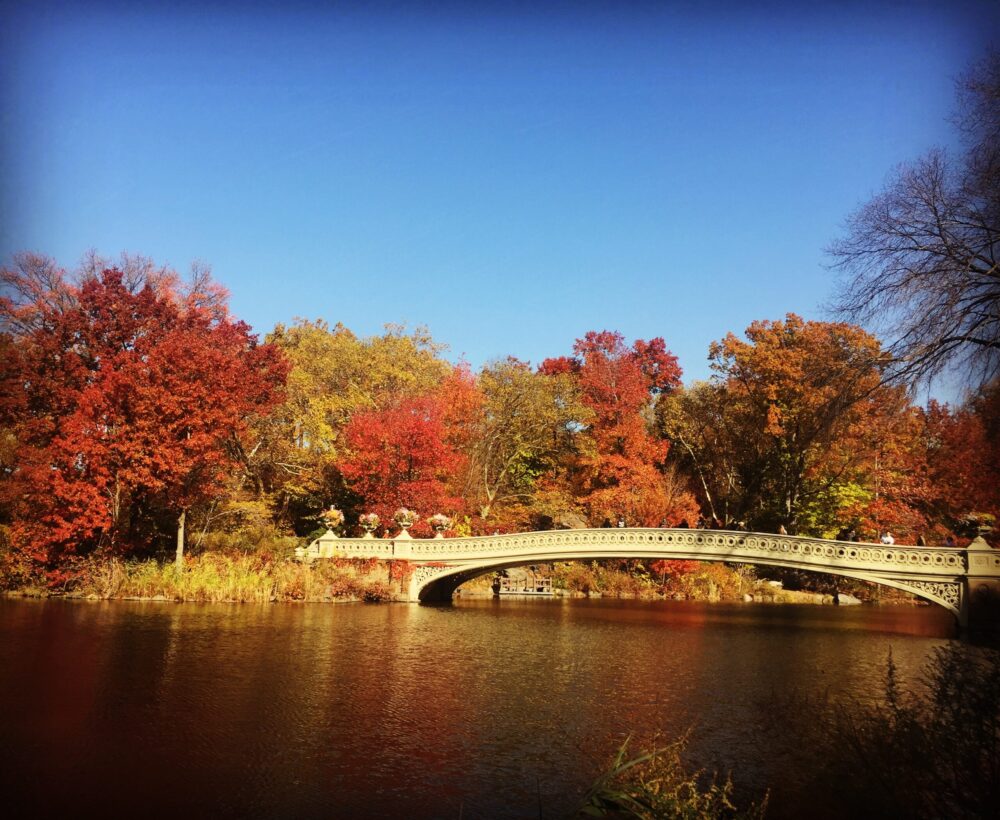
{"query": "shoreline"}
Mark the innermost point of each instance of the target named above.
(794, 597)
(254, 578)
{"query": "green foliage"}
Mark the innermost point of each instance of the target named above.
(827, 511)
(526, 424)
(239, 527)
(657, 784)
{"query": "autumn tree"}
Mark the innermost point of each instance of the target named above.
(927, 471)
(765, 437)
(399, 456)
(875, 477)
(525, 424)
(132, 387)
(706, 445)
(623, 474)
(335, 373)
(963, 457)
(920, 259)
(290, 462)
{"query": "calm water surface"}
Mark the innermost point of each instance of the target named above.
(481, 709)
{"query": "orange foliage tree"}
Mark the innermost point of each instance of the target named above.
(622, 476)
(785, 399)
(963, 458)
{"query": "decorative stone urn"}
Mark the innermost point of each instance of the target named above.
(439, 523)
(405, 519)
(333, 519)
(369, 522)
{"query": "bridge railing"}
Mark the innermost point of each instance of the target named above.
(694, 544)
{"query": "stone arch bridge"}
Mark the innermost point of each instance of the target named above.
(965, 581)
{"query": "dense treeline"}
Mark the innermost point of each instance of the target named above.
(139, 417)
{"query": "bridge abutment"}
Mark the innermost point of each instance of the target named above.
(980, 609)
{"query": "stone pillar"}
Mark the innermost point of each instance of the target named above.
(326, 547)
(401, 546)
(411, 592)
(981, 588)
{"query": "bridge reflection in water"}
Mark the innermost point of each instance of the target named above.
(966, 581)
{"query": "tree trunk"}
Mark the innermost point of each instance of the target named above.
(179, 560)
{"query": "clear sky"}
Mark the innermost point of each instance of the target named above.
(510, 175)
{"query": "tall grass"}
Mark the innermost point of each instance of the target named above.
(218, 578)
(656, 784)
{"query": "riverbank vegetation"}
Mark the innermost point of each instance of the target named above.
(140, 420)
(218, 578)
(658, 784)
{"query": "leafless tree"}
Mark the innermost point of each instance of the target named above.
(919, 261)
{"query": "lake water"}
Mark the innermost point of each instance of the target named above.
(485, 708)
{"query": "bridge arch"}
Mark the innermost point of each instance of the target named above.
(438, 585)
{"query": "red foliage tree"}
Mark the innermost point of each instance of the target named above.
(558, 365)
(963, 455)
(130, 390)
(672, 568)
(400, 457)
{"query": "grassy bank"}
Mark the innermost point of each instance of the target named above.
(221, 578)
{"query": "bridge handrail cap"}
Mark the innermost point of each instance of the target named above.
(979, 543)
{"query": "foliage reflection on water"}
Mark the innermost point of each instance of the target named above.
(485, 708)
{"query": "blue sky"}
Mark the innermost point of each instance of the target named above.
(510, 176)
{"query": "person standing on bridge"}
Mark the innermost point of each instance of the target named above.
(887, 538)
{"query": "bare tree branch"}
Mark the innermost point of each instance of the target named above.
(919, 261)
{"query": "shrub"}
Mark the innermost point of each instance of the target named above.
(376, 592)
(17, 570)
(576, 578)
